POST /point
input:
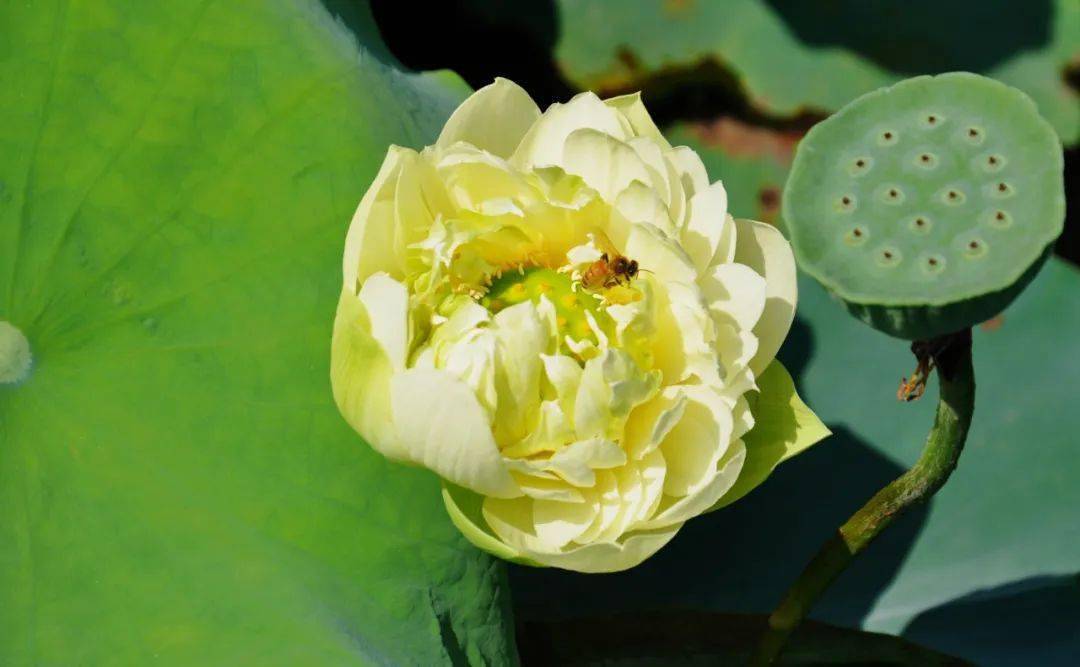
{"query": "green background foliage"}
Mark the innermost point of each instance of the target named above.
(791, 56)
(176, 485)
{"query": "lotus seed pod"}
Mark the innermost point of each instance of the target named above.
(929, 205)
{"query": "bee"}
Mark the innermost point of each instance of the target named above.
(611, 269)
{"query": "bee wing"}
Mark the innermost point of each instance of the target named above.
(604, 244)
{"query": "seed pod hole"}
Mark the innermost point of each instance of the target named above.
(891, 194)
(1001, 190)
(860, 166)
(846, 203)
(888, 256)
(887, 138)
(975, 135)
(974, 247)
(857, 236)
(1000, 219)
(921, 224)
(931, 119)
(993, 163)
(926, 160)
(953, 196)
(933, 264)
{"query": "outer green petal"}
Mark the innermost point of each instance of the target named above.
(494, 118)
(783, 427)
(442, 426)
(763, 248)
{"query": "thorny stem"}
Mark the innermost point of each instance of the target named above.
(951, 355)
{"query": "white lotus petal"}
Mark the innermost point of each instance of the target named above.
(360, 373)
(606, 164)
(548, 488)
(697, 442)
(494, 118)
(735, 294)
(387, 304)
(653, 158)
(557, 523)
(705, 226)
(660, 254)
(608, 506)
(441, 425)
(542, 145)
(640, 203)
(650, 422)
(704, 497)
(691, 170)
(763, 248)
(630, 550)
(641, 123)
(369, 242)
(578, 461)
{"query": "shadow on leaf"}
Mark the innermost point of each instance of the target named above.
(1034, 621)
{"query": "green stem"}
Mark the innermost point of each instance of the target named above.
(952, 356)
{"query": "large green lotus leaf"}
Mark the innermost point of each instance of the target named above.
(946, 574)
(793, 55)
(176, 485)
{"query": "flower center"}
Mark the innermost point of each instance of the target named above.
(573, 305)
